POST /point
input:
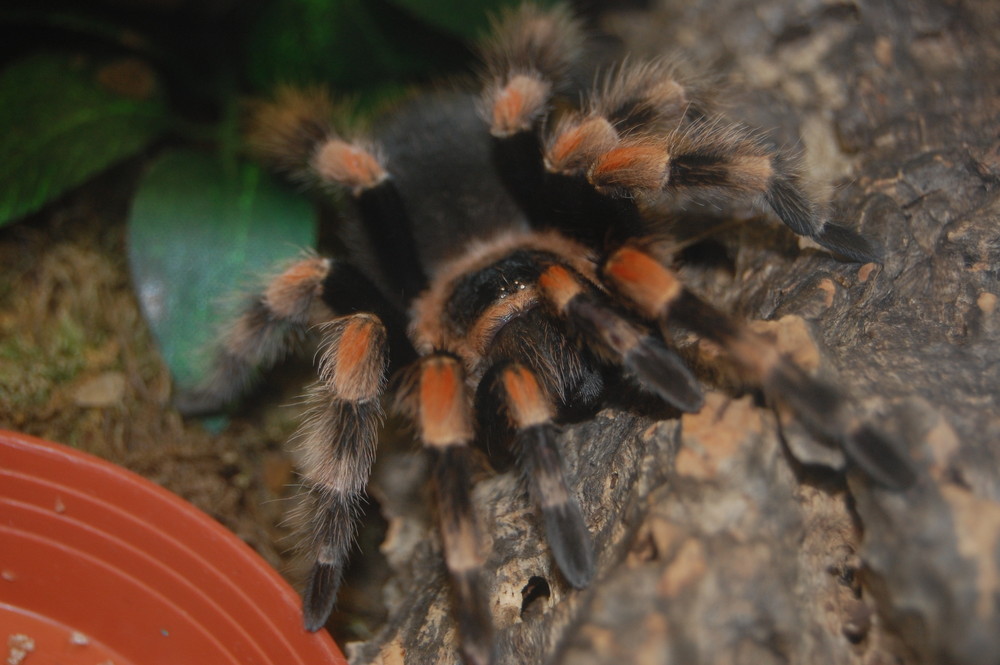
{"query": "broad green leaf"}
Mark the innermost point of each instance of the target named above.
(61, 126)
(352, 45)
(201, 238)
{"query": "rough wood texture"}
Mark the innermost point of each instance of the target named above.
(716, 545)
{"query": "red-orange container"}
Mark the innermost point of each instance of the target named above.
(99, 566)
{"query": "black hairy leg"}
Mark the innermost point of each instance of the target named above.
(264, 332)
(535, 441)
(641, 134)
(500, 261)
(643, 355)
(436, 398)
(338, 447)
(658, 293)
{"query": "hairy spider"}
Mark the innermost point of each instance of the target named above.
(506, 257)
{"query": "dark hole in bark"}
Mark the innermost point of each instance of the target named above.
(536, 589)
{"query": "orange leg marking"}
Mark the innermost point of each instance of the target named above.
(348, 164)
(527, 402)
(358, 363)
(578, 146)
(517, 105)
(637, 166)
(559, 286)
(290, 293)
(444, 416)
(643, 279)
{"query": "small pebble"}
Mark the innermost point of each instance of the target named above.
(104, 390)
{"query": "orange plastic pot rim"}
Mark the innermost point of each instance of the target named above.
(99, 565)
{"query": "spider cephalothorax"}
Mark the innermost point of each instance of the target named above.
(504, 259)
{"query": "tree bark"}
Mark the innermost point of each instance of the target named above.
(718, 540)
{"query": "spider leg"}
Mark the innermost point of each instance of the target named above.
(337, 444)
(338, 439)
(261, 335)
(295, 133)
(645, 357)
(659, 294)
(530, 63)
(437, 400)
(644, 136)
(714, 157)
(346, 290)
(309, 291)
(531, 412)
(527, 59)
(647, 96)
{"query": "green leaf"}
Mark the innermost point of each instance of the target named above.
(61, 126)
(352, 45)
(201, 237)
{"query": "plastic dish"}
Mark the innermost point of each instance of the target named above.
(99, 566)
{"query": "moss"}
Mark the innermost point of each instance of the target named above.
(32, 366)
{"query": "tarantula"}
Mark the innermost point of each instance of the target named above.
(505, 256)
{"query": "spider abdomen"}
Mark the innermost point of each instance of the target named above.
(442, 166)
